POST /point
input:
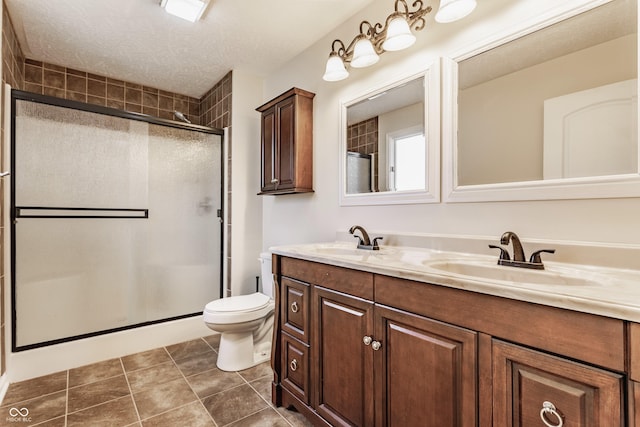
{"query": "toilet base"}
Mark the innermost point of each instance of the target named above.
(237, 352)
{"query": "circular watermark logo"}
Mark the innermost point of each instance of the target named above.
(18, 415)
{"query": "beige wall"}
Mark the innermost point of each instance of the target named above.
(500, 124)
(317, 216)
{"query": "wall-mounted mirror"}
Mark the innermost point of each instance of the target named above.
(390, 144)
(549, 115)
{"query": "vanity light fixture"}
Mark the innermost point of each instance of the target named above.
(191, 10)
(365, 48)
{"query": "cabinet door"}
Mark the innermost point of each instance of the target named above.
(285, 147)
(268, 142)
(529, 385)
(425, 371)
(343, 365)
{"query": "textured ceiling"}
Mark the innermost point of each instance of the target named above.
(136, 41)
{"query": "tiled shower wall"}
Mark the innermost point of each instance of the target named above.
(362, 138)
(67, 83)
(213, 109)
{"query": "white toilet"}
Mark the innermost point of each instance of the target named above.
(245, 323)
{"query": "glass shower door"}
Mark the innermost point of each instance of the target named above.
(115, 222)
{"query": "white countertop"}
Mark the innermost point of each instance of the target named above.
(610, 292)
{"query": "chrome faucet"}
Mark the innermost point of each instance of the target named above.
(518, 260)
(364, 242)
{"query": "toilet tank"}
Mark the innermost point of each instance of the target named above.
(265, 274)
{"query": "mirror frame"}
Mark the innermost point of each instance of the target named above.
(598, 187)
(431, 120)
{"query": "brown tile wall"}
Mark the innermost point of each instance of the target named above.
(362, 138)
(67, 83)
(215, 109)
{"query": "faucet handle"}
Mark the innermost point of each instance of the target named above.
(375, 243)
(504, 254)
(360, 241)
(535, 257)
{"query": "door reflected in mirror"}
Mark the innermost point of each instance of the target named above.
(386, 145)
(559, 103)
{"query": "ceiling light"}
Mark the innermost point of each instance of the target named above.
(191, 10)
(452, 10)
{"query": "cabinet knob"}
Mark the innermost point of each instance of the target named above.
(274, 181)
(293, 365)
(294, 307)
(367, 340)
(549, 408)
(376, 345)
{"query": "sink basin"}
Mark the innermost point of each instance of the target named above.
(491, 271)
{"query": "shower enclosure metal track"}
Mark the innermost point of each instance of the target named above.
(93, 213)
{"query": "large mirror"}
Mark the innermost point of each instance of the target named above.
(390, 144)
(552, 114)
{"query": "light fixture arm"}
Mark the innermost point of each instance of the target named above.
(378, 32)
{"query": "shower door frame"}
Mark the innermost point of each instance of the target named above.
(19, 95)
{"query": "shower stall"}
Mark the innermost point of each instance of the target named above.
(116, 219)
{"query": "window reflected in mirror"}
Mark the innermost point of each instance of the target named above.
(386, 148)
(558, 103)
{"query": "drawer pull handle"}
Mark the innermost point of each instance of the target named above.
(293, 365)
(376, 345)
(367, 340)
(294, 307)
(550, 408)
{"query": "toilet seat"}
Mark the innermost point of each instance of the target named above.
(242, 308)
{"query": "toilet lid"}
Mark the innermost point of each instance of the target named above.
(250, 302)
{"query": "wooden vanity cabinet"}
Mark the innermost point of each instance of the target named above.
(372, 365)
(374, 350)
(287, 143)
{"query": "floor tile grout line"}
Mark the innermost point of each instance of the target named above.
(269, 404)
(135, 406)
(191, 388)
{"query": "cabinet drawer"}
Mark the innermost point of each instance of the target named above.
(295, 309)
(526, 381)
(352, 282)
(295, 367)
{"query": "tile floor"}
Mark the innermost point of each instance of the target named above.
(177, 385)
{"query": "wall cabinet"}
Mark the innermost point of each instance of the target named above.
(287, 143)
(354, 348)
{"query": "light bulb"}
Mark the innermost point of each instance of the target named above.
(399, 35)
(363, 53)
(452, 10)
(335, 69)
